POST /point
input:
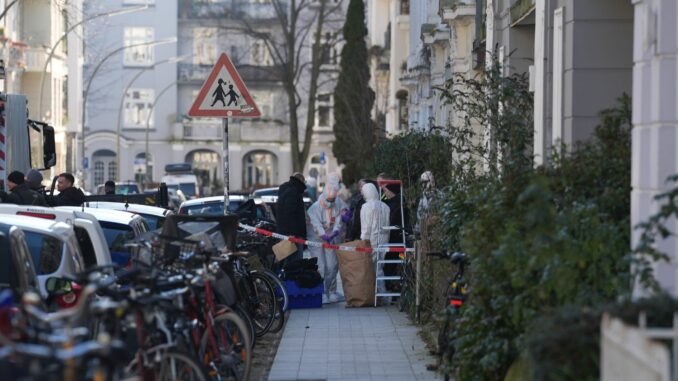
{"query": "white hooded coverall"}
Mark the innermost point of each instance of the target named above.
(374, 215)
(326, 219)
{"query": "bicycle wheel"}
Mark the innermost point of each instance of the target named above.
(242, 314)
(279, 320)
(234, 358)
(278, 287)
(178, 366)
(261, 303)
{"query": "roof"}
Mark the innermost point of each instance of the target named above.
(207, 200)
(105, 215)
(132, 208)
(42, 225)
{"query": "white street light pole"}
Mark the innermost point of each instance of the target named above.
(148, 176)
(122, 103)
(89, 84)
(116, 12)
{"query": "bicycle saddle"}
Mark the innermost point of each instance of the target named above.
(458, 257)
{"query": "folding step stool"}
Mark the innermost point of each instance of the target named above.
(379, 264)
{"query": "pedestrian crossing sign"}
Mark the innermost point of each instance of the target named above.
(224, 94)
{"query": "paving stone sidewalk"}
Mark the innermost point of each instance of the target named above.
(337, 343)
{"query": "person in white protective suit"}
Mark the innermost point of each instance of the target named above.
(374, 215)
(429, 194)
(326, 224)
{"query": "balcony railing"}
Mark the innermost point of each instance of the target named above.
(202, 131)
(234, 9)
(520, 9)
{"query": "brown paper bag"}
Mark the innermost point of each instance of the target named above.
(357, 275)
(284, 249)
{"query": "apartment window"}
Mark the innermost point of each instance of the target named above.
(324, 117)
(137, 106)
(259, 169)
(260, 54)
(138, 55)
(328, 48)
(204, 46)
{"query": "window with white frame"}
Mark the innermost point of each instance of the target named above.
(259, 53)
(328, 53)
(138, 55)
(324, 117)
(204, 46)
(264, 101)
(137, 106)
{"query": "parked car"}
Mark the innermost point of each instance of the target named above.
(154, 216)
(215, 206)
(52, 245)
(270, 197)
(17, 271)
(127, 187)
(119, 228)
(88, 232)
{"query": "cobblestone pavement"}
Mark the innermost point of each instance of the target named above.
(337, 343)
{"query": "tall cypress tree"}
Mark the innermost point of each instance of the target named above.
(354, 130)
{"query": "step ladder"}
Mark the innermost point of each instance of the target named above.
(379, 265)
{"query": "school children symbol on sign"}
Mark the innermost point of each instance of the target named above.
(224, 94)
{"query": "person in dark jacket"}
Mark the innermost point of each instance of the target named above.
(20, 193)
(291, 216)
(392, 195)
(34, 181)
(68, 194)
(109, 187)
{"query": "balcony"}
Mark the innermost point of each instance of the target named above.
(233, 9)
(202, 130)
(35, 59)
(457, 9)
(522, 12)
(193, 73)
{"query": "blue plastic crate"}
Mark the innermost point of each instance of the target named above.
(304, 297)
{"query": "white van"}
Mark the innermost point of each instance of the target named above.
(88, 232)
(119, 228)
(186, 183)
(52, 245)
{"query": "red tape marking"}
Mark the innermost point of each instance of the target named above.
(297, 240)
(263, 232)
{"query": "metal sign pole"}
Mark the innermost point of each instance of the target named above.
(225, 159)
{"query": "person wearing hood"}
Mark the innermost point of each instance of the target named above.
(291, 213)
(326, 224)
(374, 215)
(34, 181)
(429, 194)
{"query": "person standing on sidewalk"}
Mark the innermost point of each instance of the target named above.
(291, 216)
(326, 225)
(374, 215)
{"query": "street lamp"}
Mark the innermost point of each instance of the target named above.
(116, 12)
(89, 84)
(122, 102)
(148, 122)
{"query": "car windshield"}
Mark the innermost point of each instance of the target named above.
(266, 192)
(46, 252)
(210, 208)
(126, 189)
(116, 237)
(188, 189)
(154, 222)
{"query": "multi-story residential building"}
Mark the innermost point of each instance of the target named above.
(171, 76)
(30, 29)
(389, 36)
(578, 57)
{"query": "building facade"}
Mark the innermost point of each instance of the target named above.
(30, 30)
(159, 83)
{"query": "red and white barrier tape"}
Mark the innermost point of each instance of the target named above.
(324, 244)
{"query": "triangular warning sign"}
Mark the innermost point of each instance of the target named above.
(224, 94)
